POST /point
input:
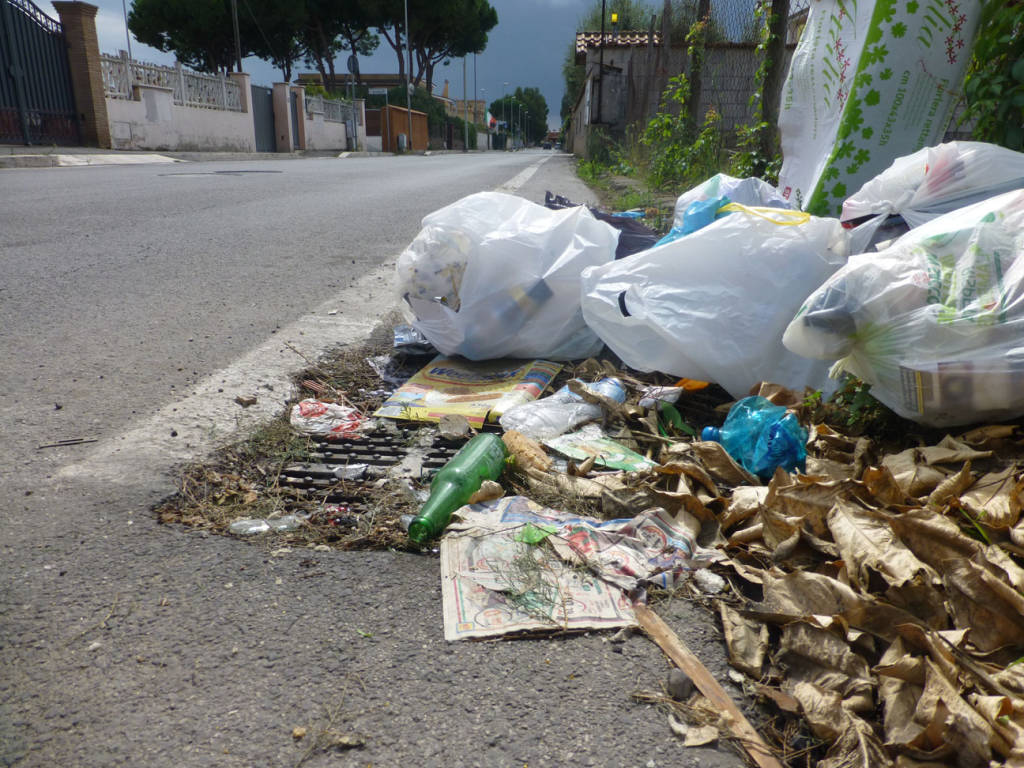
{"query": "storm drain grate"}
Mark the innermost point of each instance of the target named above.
(346, 461)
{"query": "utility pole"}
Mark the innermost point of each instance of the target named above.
(600, 67)
(238, 39)
(465, 110)
(408, 77)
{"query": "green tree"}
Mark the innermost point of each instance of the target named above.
(439, 31)
(995, 80)
(198, 32)
(276, 31)
(450, 29)
(321, 37)
(526, 111)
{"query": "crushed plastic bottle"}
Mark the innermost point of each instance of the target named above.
(560, 412)
(761, 436)
(251, 526)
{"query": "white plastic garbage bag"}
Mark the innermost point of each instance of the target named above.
(869, 81)
(713, 305)
(493, 275)
(750, 191)
(931, 182)
(934, 322)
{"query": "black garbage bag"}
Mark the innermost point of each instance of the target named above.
(634, 235)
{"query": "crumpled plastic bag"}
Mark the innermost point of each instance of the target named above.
(713, 305)
(928, 183)
(493, 275)
(751, 191)
(330, 420)
(934, 322)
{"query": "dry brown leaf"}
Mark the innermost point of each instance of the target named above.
(984, 437)
(700, 735)
(807, 596)
(901, 680)
(950, 451)
(683, 500)
(854, 742)
(526, 452)
(996, 499)
(988, 607)
(830, 469)
(489, 491)
(857, 747)
(689, 469)
(867, 543)
(807, 499)
(935, 539)
(923, 597)
(721, 465)
(745, 502)
(903, 761)
(912, 474)
(746, 640)
(951, 487)
(822, 658)
(783, 701)
(778, 394)
(948, 721)
(883, 487)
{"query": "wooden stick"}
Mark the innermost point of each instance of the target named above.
(669, 642)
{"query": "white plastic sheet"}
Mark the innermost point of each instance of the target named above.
(869, 81)
(931, 182)
(934, 322)
(713, 305)
(493, 276)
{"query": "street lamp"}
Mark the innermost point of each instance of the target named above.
(526, 125)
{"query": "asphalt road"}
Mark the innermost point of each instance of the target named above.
(135, 303)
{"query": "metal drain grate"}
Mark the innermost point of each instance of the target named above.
(325, 467)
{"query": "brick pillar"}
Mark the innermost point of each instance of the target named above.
(79, 22)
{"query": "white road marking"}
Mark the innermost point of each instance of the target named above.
(210, 417)
(512, 185)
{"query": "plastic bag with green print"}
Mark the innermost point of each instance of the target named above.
(934, 322)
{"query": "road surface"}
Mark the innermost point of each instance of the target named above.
(135, 304)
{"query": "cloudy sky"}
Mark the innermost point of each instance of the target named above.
(525, 49)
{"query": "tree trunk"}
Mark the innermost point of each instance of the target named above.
(773, 78)
(696, 65)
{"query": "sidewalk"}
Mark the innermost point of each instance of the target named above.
(21, 156)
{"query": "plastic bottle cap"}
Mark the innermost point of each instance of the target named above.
(710, 434)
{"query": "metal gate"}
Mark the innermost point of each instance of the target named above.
(37, 103)
(263, 118)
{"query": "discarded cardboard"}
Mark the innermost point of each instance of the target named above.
(480, 391)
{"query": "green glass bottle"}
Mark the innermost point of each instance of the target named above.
(482, 458)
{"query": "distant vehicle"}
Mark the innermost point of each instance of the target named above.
(546, 145)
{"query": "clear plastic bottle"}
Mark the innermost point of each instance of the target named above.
(761, 436)
(482, 458)
(560, 412)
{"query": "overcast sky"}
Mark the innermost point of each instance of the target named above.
(525, 49)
